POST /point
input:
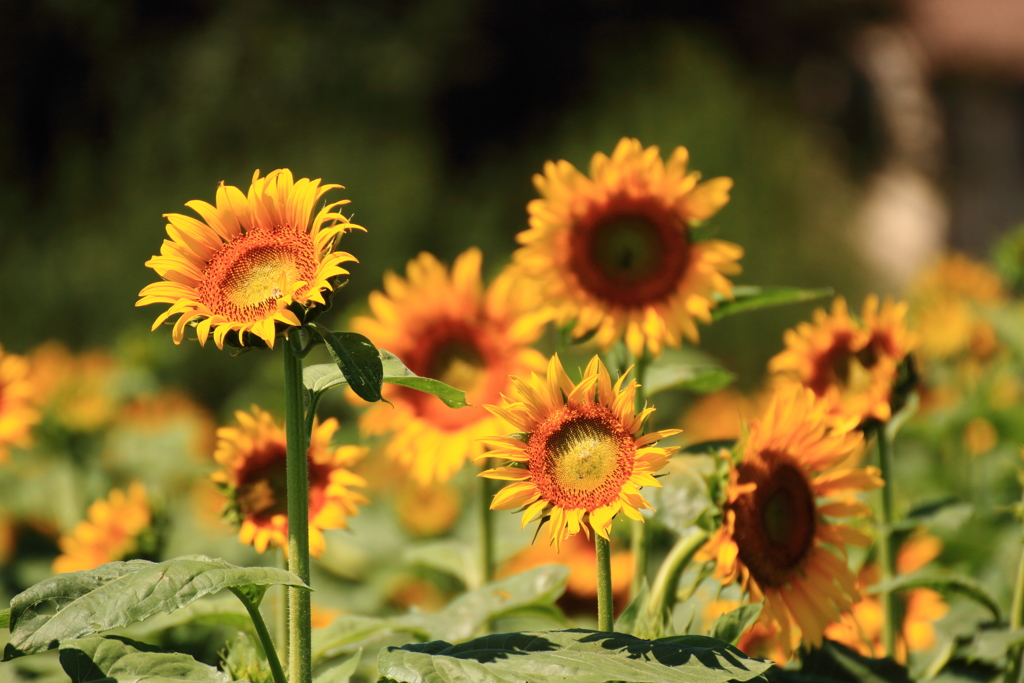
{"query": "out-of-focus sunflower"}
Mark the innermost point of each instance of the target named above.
(946, 305)
(777, 538)
(252, 262)
(852, 365)
(427, 510)
(75, 391)
(444, 325)
(583, 459)
(254, 479)
(861, 628)
(614, 251)
(111, 531)
(18, 413)
(580, 556)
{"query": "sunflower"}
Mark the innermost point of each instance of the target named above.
(110, 533)
(444, 325)
(583, 459)
(76, 391)
(254, 478)
(947, 300)
(252, 262)
(18, 413)
(852, 364)
(776, 533)
(614, 251)
(861, 628)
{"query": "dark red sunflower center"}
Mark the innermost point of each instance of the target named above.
(262, 490)
(581, 458)
(244, 280)
(842, 366)
(775, 524)
(630, 253)
(465, 355)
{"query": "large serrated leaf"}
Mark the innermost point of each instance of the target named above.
(751, 298)
(578, 655)
(320, 378)
(121, 593)
(109, 659)
(944, 581)
(357, 359)
(537, 588)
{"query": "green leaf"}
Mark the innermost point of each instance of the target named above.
(708, 447)
(395, 372)
(343, 672)
(944, 581)
(626, 623)
(578, 655)
(947, 515)
(992, 645)
(358, 360)
(320, 378)
(700, 379)
(120, 593)
(218, 611)
(751, 298)
(112, 659)
(730, 626)
(529, 592)
(5, 618)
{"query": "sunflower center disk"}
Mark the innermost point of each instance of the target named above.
(775, 524)
(630, 255)
(458, 363)
(263, 491)
(245, 279)
(581, 460)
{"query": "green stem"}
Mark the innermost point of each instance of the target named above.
(261, 630)
(886, 551)
(299, 627)
(281, 613)
(486, 531)
(1016, 653)
(666, 583)
(605, 615)
(638, 541)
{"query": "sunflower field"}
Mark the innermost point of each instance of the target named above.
(655, 425)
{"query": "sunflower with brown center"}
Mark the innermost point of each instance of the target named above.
(583, 459)
(446, 326)
(252, 263)
(110, 533)
(254, 478)
(614, 251)
(18, 412)
(851, 364)
(778, 538)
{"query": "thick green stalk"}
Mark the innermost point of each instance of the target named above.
(264, 635)
(299, 627)
(666, 583)
(886, 551)
(486, 531)
(605, 609)
(281, 611)
(1015, 656)
(638, 541)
